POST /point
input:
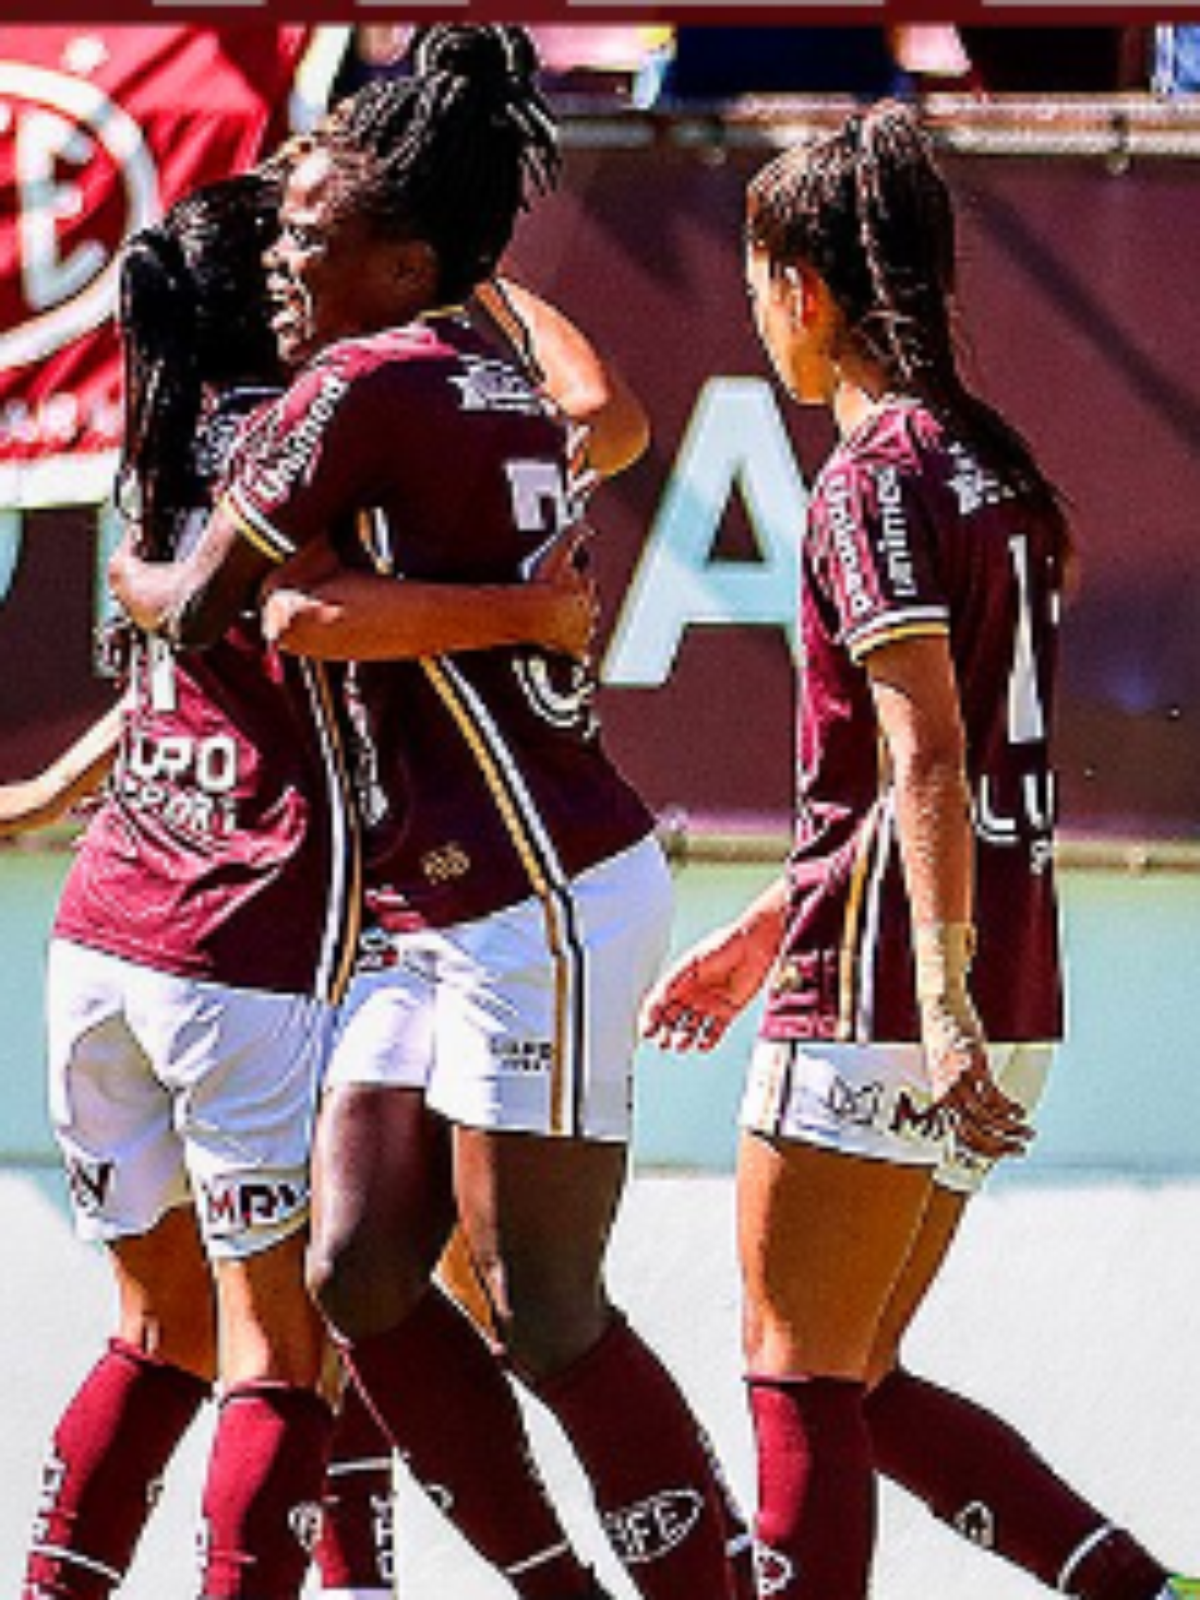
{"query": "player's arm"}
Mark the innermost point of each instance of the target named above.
(315, 607)
(693, 1003)
(78, 772)
(589, 390)
(193, 600)
(915, 692)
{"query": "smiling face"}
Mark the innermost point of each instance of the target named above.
(330, 274)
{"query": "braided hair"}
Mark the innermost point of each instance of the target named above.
(867, 209)
(451, 153)
(193, 315)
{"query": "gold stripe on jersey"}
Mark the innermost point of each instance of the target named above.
(256, 530)
(851, 953)
(861, 644)
(343, 913)
(547, 880)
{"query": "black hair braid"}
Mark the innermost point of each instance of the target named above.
(163, 391)
(906, 231)
(193, 314)
(451, 154)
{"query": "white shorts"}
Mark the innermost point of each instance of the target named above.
(874, 1100)
(524, 1021)
(165, 1091)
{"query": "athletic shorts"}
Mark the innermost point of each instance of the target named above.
(874, 1100)
(524, 1021)
(165, 1091)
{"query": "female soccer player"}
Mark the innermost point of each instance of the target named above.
(518, 901)
(910, 958)
(202, 935)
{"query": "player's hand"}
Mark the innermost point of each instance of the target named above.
(986, 1121)
(693, 1003)
(572, 612)
(284, 611)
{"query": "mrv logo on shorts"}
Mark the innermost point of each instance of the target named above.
(241, 1204)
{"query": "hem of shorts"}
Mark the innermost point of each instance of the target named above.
(88, 1231)
(835, 1147)
(582, 1135)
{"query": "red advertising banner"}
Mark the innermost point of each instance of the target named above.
(100, 129)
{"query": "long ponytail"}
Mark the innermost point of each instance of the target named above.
(867, 208)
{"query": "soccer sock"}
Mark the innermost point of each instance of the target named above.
(263, 1489)
(107, 1456)
(651, 1472)
(355, 1553)
(449, 1409)
(979, 1475)
(816, 1485)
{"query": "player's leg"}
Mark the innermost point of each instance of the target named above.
(822, 1235)
(383, 1212)
(243, 1067)
(536, 1040)
(972, 1469)
(538, 1213)
(115, 1438)
(129, 1190)
(355, 1555)
(263, 1485)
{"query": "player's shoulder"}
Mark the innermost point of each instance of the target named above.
(360, 356)
(901, 434)
(897, 453)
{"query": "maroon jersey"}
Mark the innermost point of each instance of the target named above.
(908, 534)
(227, 845)
(225, 849)
(484, 780)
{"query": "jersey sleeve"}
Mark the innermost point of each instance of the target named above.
(873, 552)
(304, 464)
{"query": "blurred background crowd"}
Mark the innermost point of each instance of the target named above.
(649, 67)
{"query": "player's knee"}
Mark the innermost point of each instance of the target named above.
(546, 1329)
(359, 1288)
(187, 1341)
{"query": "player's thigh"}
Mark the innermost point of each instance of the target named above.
(538, 1213)
(822, 1239)
(939, 1226)
(165, 1293)
(382, 1185)
(270, 1329)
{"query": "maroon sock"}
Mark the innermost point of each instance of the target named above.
(650, 1469)
(979, 1475)
(449, 1409)
(106, 1458)
(816, 1485)
(262, 1493)
(356, 1548)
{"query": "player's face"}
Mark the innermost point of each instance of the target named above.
(790, 316)
(329, 275)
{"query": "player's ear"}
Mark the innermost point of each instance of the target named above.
(416, 268)
(810, 299)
